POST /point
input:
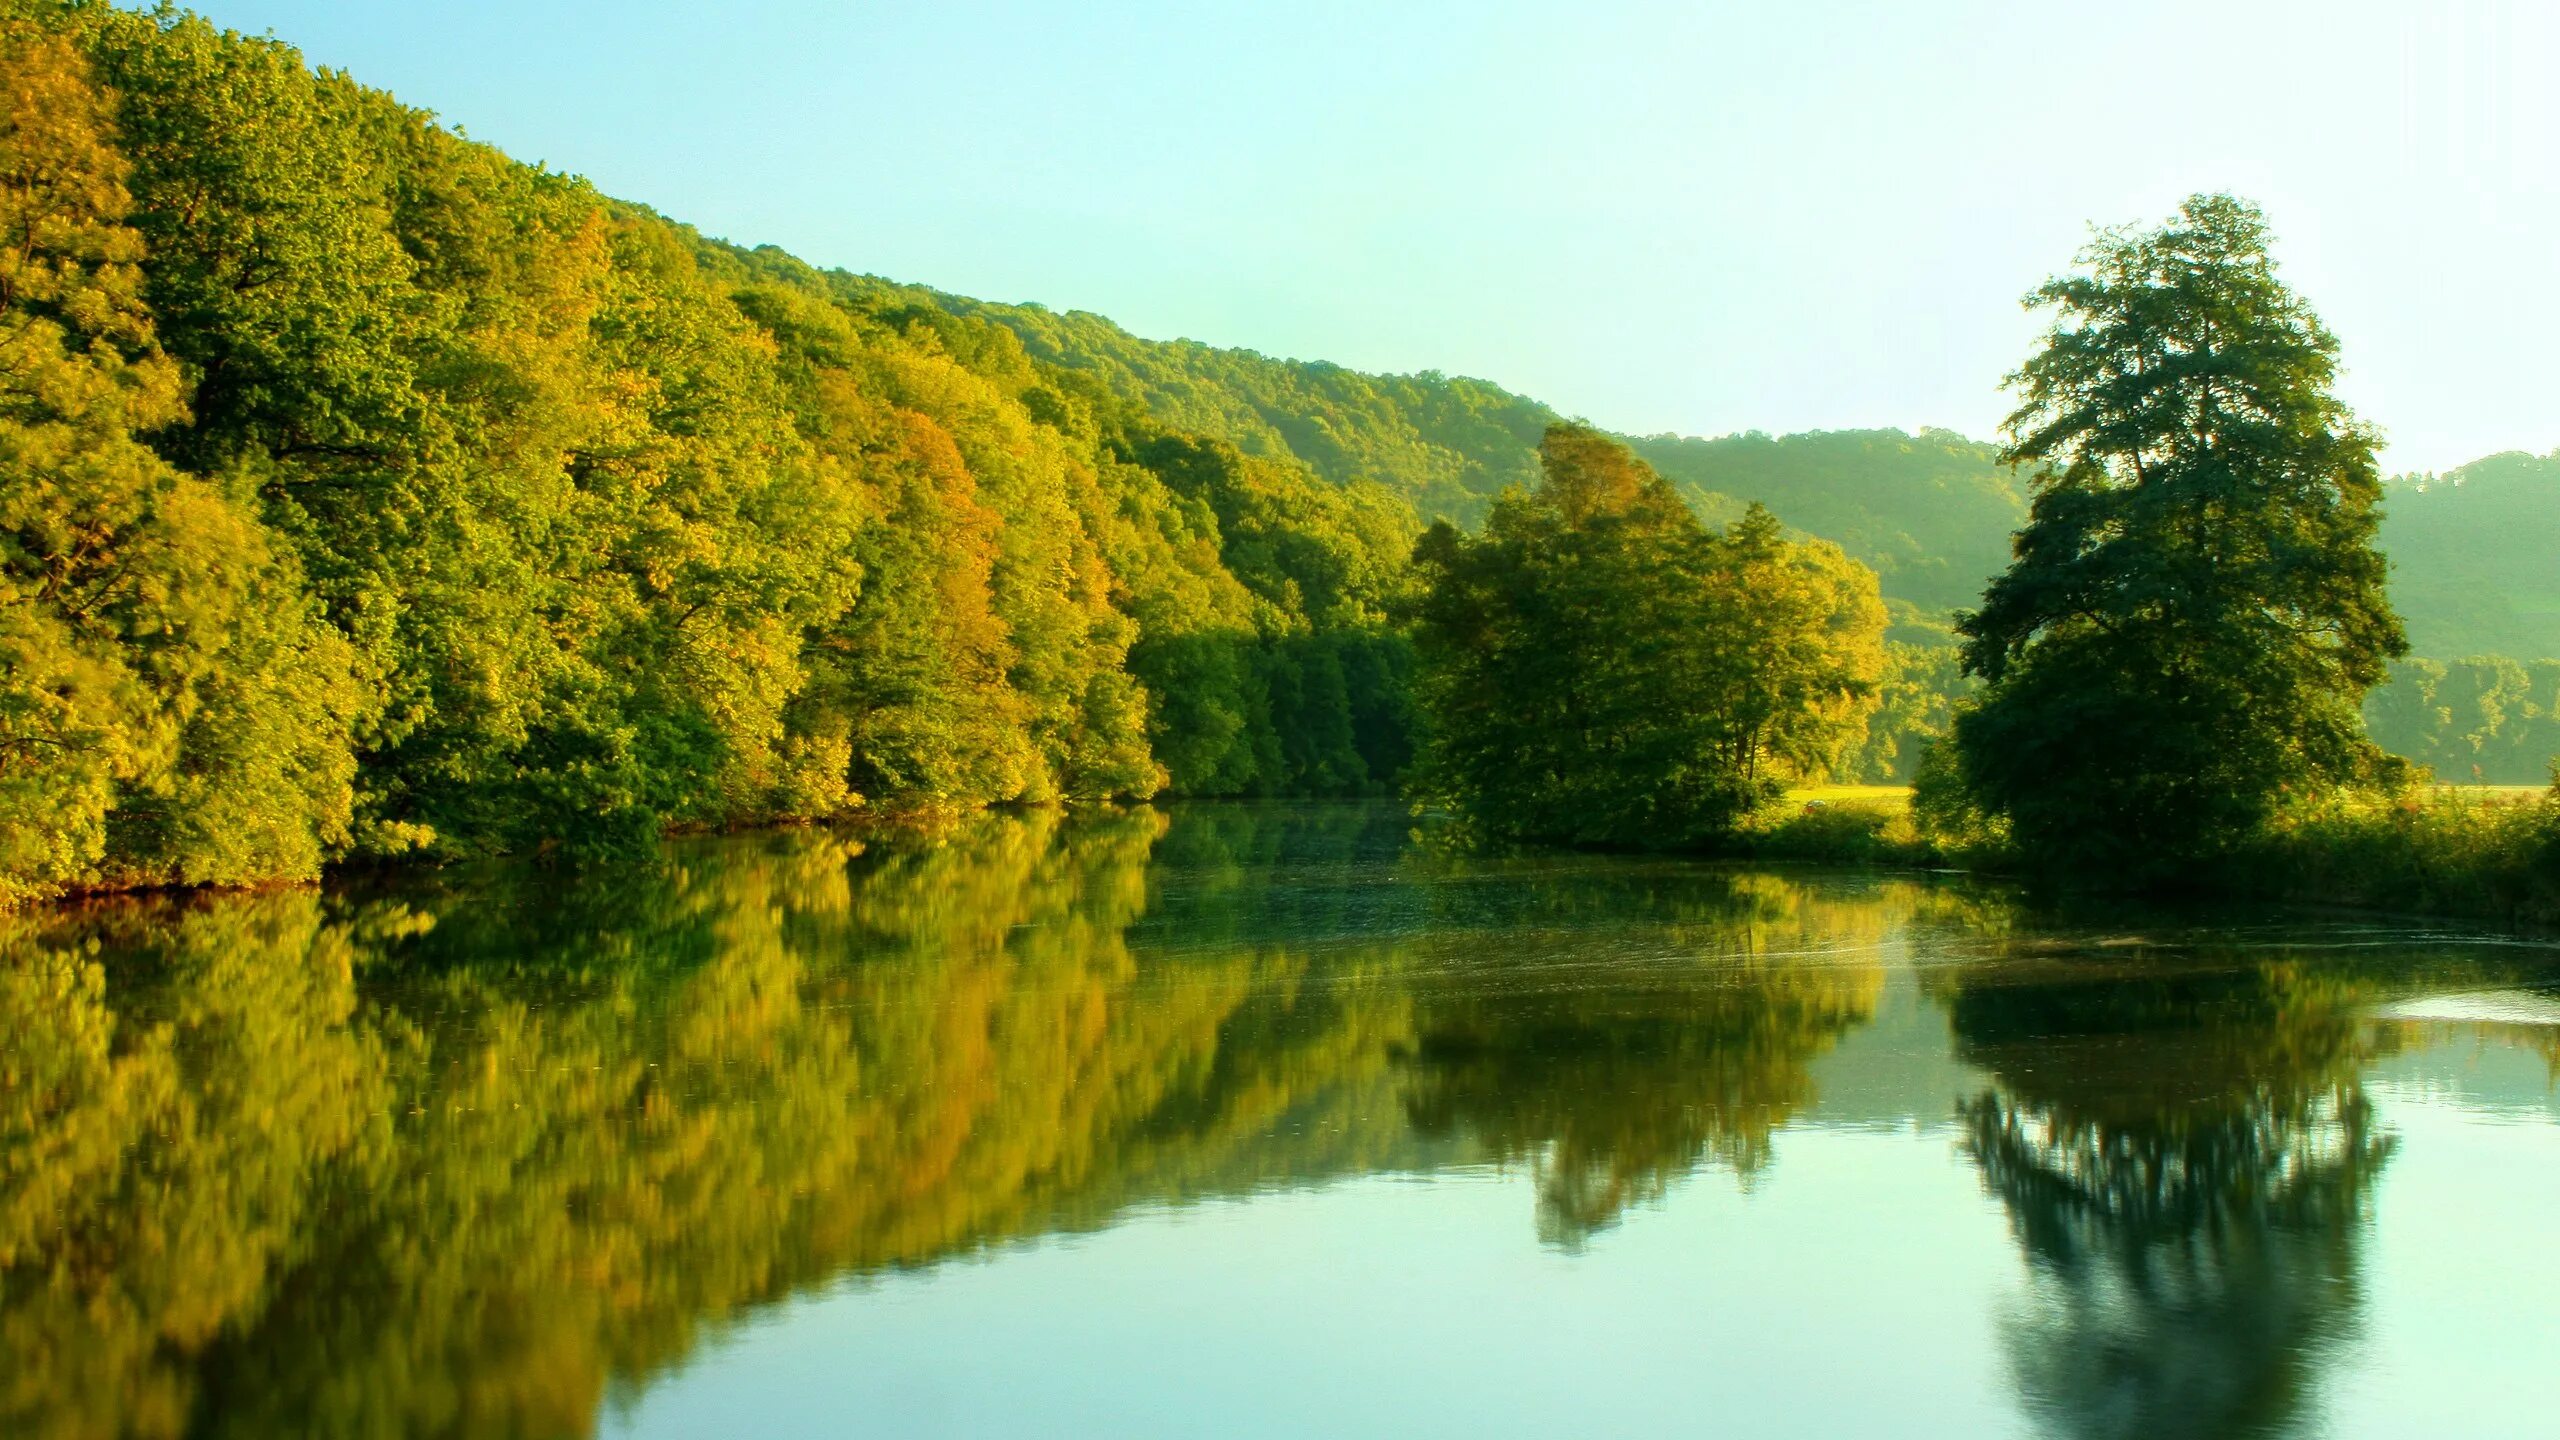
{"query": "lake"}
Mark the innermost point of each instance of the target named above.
(1264, 1120)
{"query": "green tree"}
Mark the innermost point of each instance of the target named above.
(167, 709)
(2196, 605)
(1600, 668)
(1808, 654)
(1915, 708)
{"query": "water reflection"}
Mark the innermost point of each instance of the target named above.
(467, 1154)
(1696, 1050)
(2187, 1155)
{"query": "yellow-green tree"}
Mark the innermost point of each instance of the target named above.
(167, 711)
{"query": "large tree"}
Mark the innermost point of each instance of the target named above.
(2196, 605)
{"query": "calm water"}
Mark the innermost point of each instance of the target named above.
(1255, 1120)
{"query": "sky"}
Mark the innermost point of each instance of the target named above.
(1697, 217)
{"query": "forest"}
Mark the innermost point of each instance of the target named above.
(365, 493)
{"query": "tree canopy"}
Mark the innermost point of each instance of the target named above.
(1599, 667)
(365, 492)
(2196, 605)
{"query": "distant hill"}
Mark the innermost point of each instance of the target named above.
(1448, 445)
(2476, 557)
(2474, 548)
(1932, 512)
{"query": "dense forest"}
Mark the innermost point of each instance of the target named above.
(364, 492)
(1930, 512)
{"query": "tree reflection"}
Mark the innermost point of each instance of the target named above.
(2186, 1156)
(462, 1154)
(1719, 998)
(452, 1160)
(163, 1152)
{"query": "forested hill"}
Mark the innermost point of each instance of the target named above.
(2476, 557)
(1447, 445)
(363, 491)
(1931, 512)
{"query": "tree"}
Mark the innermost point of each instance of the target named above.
(1809, 657)
(1600, 668)
(168, 708)
(2196, 605)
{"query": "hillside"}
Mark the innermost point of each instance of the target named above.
(367, 492)
(1930, 512)
(2476, 556)
(1447, 445)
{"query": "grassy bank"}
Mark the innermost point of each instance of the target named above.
(1847, 825)
(2489, 852)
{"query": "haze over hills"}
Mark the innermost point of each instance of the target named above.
(2476, 555)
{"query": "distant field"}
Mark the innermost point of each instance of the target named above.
(1879, 797)
(2494, 794)
(1898, 797)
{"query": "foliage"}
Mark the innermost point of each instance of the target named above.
(2417, 852)
(1600, 668)
(1446, 446)
(2196, 606)
(1834, 833)
(2485, 720)
(169, 711)
(1915, 708)
(1929, 512)
(366, 491)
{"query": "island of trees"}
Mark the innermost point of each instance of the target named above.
(364, 493)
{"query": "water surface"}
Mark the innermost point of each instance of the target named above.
(1261, 1120)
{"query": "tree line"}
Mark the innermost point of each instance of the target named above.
(365, 493)
(2167, 679)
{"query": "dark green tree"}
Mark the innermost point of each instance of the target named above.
(2196, 606)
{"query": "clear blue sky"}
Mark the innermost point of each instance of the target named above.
(1695, 217)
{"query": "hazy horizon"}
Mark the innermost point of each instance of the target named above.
(1682, 219)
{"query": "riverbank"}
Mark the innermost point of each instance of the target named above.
(2485, 852)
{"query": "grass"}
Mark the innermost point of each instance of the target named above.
(2477, 850)
(1841, 824)
(2490, 794)
(1892, 798)
(2484, 851)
